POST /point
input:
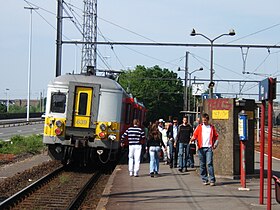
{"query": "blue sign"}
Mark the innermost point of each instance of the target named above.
(267, 89)
(215, 95)
(264, 89)
(243, 126)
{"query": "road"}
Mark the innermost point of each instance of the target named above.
(24, 130)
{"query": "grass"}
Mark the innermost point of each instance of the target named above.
(64, 179)
(20, 145)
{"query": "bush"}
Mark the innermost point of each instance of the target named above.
(20, 144)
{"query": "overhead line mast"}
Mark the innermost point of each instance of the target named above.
(89, 50)
(59, 38)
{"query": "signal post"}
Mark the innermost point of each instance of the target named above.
(267, 92)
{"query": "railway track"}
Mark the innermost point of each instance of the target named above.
(61, 189)
(275, 135)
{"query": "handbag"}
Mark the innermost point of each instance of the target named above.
(192, 148)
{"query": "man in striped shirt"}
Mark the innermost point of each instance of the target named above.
(135, 136)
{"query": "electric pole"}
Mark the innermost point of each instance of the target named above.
(89, 50)
(186, 83)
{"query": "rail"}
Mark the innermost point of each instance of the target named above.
(37, 194)
(21, 194)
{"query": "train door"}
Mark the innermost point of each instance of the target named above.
(82, 107)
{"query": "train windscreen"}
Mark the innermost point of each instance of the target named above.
(58, 101)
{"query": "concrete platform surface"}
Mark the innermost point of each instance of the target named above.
(176, 190)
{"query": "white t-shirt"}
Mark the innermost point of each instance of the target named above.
(160, 129)
(164, 136)
(175, 131)
(206, 130)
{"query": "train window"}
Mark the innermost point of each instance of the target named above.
(127, 113)
(83, 104)
(58, 101)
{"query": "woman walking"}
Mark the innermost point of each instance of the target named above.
(154, 145)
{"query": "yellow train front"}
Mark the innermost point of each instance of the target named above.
(85, 118)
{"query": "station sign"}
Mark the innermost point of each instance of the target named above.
(215, 95)
(267, 89)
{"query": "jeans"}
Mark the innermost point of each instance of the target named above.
(154, 158)
(172, 154)
(206, 158)
(134, 153)
(183, 154)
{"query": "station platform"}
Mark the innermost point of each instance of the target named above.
(175, 190)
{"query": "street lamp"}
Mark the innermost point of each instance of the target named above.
(7, 97)
(29, 62)
(189, 103)
(211, 84)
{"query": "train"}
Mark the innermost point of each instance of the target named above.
(85, 117)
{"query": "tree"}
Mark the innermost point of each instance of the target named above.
(159, 89)
(3, 108)
(17, 109)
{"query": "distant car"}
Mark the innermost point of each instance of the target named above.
(43, 116)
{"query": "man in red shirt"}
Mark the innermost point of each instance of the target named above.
(207, 141)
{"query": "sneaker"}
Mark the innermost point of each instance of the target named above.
(152, 174)
(156, 174)
(212, 184)
(205, 183)
(136, 175)
(180, 169)
(130, 174)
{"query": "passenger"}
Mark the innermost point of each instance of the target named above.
(160, 125)
(135, 136)
(207, 141)
(185, 131)
(154, 145)
(166, 156)
(172, 135)
(190, 162)
(146, 130)
(196, 123)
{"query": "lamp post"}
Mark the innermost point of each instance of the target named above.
(29, 62)
(211, 84)
(7, 97)
(189, 103)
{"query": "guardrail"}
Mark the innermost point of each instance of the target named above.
(7, 116)
(19, 122)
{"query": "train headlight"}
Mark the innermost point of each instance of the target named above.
(58, 123)
(102, 127)
(58, 131)
(102, 135)
(112, 137)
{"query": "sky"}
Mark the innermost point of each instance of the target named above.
(255, 22)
